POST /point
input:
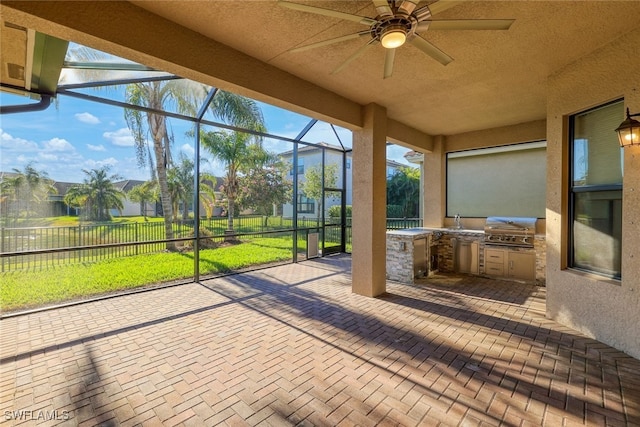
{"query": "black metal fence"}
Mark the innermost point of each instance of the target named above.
(40, 247)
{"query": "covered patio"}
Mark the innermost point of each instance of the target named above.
(292, 345)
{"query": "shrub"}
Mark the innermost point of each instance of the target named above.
(334, 211)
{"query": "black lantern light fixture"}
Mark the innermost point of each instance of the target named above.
(629, 131)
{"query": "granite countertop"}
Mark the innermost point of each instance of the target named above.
(419, 231)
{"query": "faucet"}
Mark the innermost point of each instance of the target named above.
(457, 221)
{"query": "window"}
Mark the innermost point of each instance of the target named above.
(305, 204)
(299, 168)
(596, 191)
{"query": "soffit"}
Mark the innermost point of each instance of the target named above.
(497, 78)
(31, 61)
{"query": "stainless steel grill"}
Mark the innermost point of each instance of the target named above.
(510, 231)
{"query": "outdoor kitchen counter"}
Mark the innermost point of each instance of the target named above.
(412, 252)
(423, 231)
(417, 252)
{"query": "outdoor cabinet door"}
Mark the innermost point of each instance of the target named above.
(522, 265)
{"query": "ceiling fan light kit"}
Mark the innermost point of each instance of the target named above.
(392, 38)
(397, 22)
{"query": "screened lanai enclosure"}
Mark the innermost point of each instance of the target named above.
(117, 176)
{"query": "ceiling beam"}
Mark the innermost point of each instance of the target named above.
(409, 137)
(125, 30)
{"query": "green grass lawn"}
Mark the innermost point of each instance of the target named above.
(27, 289)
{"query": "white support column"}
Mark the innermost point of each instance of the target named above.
(370, 204)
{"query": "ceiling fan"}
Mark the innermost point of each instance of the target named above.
(397, 22)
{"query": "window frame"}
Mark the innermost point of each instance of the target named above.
(303, 200)
(574, 190)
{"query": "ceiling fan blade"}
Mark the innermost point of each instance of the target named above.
(442, 5)
(408, 6)
(431, 50)
(389, 57)
(382, 8)
(330, 41)
(353, 57)
(327, 12)
(467, 24)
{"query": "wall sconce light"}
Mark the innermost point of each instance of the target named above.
(629, 131)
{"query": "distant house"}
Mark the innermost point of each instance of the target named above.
(310, 156)
(58, 206)
(54, 206)
(132, 208)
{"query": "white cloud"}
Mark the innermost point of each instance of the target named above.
(122, 137)
(96, 147)
(96, 164)
(188, 150)
(57, 144)
(87, 118)
(47, 157)
(10, 143)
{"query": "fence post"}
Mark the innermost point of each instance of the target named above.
(136, 237)
(2, 245)
(79, 241)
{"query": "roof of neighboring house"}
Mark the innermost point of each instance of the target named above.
(414, 156)
(397, 165)
(127, 184)
(7, 174)
(63, 187)
(218, 183)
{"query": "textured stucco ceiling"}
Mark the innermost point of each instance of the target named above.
(497, 77)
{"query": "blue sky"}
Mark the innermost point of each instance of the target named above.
(74, 134)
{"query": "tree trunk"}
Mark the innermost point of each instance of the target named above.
(230, 212)
(228, 233)
(165, 199)
(185, 210)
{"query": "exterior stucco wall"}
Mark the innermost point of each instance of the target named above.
(606, 310)
(523, 132)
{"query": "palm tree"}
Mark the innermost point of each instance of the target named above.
(186, 96)
(181, 185)
(208, 193)
(25, 187)
(97, 194)
(239, 151)
(143, 194)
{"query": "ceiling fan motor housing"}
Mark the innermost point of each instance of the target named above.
(391, 24)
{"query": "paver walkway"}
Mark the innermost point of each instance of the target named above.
(291, 345)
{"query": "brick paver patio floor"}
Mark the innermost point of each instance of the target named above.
(291, 345)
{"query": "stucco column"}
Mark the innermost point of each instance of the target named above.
(434, 184)
(630, 262)
(370, 204)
